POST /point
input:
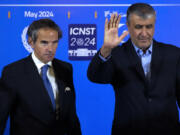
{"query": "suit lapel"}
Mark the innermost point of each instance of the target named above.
(37, 83)
(156, 62)
(36, 80)
(59, 80)
(135, 60)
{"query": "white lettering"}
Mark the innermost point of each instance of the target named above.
(38, 14)
(82, 31)
(30, 14)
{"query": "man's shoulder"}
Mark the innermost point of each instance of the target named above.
(17, 64)
(166, 47)
(62, 64)
(15, 68)
(120, 49)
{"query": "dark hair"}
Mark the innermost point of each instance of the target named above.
(42, 23)
(141, 9)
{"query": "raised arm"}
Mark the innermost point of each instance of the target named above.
(111, 38)
(100, 70)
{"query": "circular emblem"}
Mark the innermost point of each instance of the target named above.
(80, 41)
(24, 40)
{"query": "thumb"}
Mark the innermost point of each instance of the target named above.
(125, 33)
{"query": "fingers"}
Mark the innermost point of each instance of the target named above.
(110, 21)
(113, 22)
(118, 20)
(125, 33)
(106, 24)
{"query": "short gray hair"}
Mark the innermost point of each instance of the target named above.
(142, 10)
(35, 26)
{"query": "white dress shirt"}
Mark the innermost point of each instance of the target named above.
(50, 72)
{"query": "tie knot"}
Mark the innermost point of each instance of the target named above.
(44, 69)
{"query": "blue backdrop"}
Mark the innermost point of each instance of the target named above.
(95, 102)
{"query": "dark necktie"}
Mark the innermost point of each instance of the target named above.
(47, 84)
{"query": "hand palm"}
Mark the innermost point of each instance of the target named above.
(111, 37)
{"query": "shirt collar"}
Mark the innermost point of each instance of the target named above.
(39, 63)
(140, 52)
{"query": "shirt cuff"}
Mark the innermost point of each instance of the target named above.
(104, 59)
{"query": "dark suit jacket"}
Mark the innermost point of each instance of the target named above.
(23, 96)
(142, 106)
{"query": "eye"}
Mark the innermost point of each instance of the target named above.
(149, 26)
(55, 42)
(138, 26)
(44, 42)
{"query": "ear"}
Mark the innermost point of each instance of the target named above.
(127, 24)
(30, 42)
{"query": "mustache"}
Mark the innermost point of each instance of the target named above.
(49, 53)
(140, 37)
(144, 38)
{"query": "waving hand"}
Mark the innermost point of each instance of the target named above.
(111, 38)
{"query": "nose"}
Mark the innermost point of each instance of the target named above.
(50, 47)
(144, 32)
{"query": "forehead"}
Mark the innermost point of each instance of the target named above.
(47, 33)
(135, 19)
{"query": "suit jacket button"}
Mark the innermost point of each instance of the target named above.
(149, 99)
(57, 117)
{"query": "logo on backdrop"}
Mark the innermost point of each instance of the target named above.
(82, 41)
(24, 40)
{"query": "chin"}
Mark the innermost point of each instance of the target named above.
(144, 45)
(46, 61)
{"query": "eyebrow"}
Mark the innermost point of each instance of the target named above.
(44, 41)
(55, 41)
(140, 26)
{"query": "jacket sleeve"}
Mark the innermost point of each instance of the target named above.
(178, 83)
(100, 71)
(73, 124)
(6, 99)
